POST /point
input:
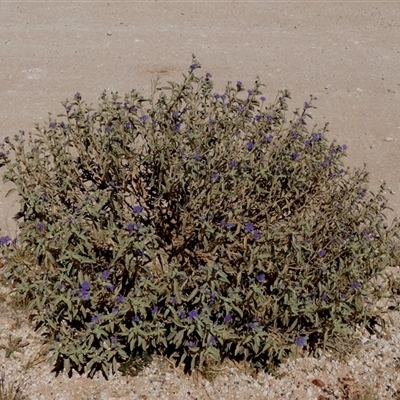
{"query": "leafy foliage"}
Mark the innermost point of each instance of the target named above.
(196, 225)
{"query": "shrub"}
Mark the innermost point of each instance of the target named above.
(195, 225)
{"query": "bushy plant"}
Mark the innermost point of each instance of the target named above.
(196, 225)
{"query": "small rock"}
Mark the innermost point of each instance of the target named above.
(6, 323)
(389, 139)
(109, 33)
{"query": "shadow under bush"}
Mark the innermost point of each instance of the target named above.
(196, 225)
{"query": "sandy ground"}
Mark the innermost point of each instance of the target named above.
(345, 53)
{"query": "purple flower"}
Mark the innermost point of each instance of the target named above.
(136, 319)
(174, 300)
(193, 314)
(252, 325)
(239, 109)
(295, 136)
(307, 143)
(194, 66)
(213, 296)
(182, 314)
(96, 318)
(239, 84)
(105, 274)
(262, 98)
(324, 296)
(268, 139)
(191, 344)
(216, 96)
(144, 118)
(250, 145)
(249, 92)
(362, 192)
(196, 156)
(306, 105)
(52, 124)
(356, 285)
(109, 287)
(112, 184)
(228, 317)
(249, 227)
(213, 341)
(326, 162)
(214, 176)
(41, 226)
(5, 239)
(230, 224)
(84, 291)
(177, 127)
(68, 108)
(115, 310)
(132, 226)
(2, 154)
(300, 341)
(295, 156)
(344, 147)
(233, 164)
(137, 209)
(315, 137)
(114, 340)
(260, 277)
(269, 118)
(119, 299)
(208, 75)
(256, 235)
(322, 253)
(212, 121)
(154, 310)
(77, 96)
